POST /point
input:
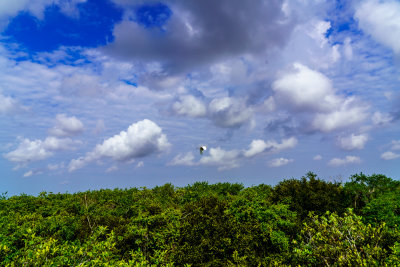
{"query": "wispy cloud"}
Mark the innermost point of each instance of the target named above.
(278, 162)
(336, 162)
(228, 159)
(35, 150)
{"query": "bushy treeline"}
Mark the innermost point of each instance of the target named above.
(305, 221)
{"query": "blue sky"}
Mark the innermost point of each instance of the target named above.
(114, 93)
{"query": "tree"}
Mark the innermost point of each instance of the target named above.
(333, 240)
(362, 188)
(310, 194)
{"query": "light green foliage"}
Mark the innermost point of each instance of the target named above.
(333, 240)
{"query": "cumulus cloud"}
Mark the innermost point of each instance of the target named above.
(279, 162)
(139, 140)
(259, 146)
(350, 113)
(389, 155)
(66, 126)
(344, 161)
(353, 141)
(381, 19)
(204, 31)
(304, 89)
(35, 150)
(308, 91)
(188, 105)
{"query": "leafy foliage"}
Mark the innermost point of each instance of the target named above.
(346, 240)
(297, 222)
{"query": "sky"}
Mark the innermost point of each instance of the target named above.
(117, 93)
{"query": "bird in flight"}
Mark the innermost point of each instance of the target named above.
(202, 149)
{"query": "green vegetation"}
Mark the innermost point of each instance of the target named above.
(297, 222)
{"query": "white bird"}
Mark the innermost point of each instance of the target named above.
(202, 148)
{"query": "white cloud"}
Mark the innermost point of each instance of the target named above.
(310, 44)
(317, 31)
(190, 106)
(279, 162)
(83, 85)
(353, 141)
(348, 49)
(141, 139)
(304, 89)
(32, 172)
(183, 159)
(389, 155)
(350, 113)
(112, 168)
(395, 144)
(35, 150)
(317, 157)
(232, 71)
(79, 163)
(224, 112)
(11, 8)
(228, 112)
(53, 167)
(7, 104)
(344, 161)
(224, 159)
(381, 19)
(259, 146)
(28, 174)
(228, 159)
(269, 104)
(36, 8)
(140, 164)
(66, 126)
